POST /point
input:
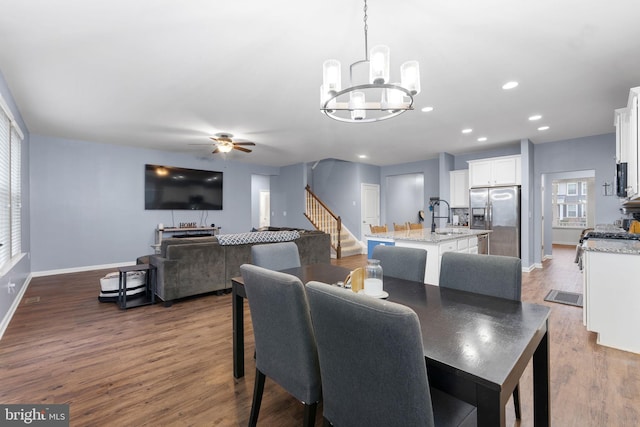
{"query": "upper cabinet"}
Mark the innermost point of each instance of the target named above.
(495, 171)
(627, 142)
(459, 191)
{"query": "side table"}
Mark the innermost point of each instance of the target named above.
(149, 295)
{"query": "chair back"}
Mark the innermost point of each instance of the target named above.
(378, 228)
(415, 226)
(400, 262)
(400, 227)
(276, 256)
(285, 343)
(494, 275)
(371, 359)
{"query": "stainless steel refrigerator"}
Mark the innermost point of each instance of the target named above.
(497, 209)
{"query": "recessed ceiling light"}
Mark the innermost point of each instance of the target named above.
(482, 139)
(543, 128)
(509, 85)
(427, 109)
(468, 130)
(362, 156)
(535, 117)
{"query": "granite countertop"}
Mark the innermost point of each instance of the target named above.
(425, 235)
(630, 247)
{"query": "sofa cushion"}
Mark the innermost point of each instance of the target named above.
(184, 241)
(257, 237)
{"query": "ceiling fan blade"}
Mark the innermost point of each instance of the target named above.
(245, 143)
(246, 150)
(215, 151)
(208, 144)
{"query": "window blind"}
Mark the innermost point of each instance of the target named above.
(16, 193)
(5, 177)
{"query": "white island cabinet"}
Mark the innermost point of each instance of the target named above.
(436, 244)
(612, 292)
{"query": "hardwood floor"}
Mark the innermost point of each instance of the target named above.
(173, 366)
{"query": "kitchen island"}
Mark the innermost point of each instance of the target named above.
(437, 243)
(611, 292)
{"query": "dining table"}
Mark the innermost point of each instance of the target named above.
(476, 347)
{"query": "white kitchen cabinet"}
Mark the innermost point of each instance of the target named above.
(627, 142)
(459, 188)
(495, 171)
(611, 297)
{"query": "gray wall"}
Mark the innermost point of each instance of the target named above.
(428, 168)
(338, 184)
(404, 198)
(18, 273)
(87, 201)
(595, 153)
(288, 197)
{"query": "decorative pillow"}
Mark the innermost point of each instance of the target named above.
(257, 237)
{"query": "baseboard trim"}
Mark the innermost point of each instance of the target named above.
(81, 269)
(12, 309)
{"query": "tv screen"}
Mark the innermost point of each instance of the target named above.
(167, 187)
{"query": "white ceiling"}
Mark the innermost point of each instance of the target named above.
(166, 74)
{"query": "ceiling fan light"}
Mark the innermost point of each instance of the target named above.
(379, 64)
(225, 148)
(410, 76)
(331, 80)
(356, 102)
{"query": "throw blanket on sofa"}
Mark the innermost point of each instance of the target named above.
(257, 237)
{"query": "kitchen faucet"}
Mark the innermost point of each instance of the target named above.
(435, 201)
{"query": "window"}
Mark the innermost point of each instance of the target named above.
(570, 201)
(10, 186)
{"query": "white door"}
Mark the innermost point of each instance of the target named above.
(265, 208)
(370, 202)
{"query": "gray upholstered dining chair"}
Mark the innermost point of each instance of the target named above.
(276, 256)
(372, 364)
(494, 275)
(400, 262)
(285, 344)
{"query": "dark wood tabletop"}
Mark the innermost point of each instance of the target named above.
(476, 346)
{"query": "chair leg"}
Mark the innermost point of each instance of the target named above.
(258, 388)
(516, 400)
(310, 414)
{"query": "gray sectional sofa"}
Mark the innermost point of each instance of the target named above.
(194, 266)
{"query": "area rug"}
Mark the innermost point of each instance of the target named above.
(563, 297)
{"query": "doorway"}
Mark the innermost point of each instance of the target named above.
(568, 207)
(260, 201)
(265, 208)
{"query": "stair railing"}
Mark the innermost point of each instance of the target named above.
(323, 219)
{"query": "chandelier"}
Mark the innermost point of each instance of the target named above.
(368, 98)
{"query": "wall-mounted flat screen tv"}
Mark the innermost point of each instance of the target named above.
(168, 187)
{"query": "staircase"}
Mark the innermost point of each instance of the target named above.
(343, 242)
(349, 244)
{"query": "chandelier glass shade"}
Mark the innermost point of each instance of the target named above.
(373, 99)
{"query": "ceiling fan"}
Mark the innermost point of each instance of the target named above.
(225, 143)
